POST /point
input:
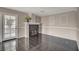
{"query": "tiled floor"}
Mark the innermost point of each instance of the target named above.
(52, 43)
(48, 43)
(0, 46)
(9, 45)
(21, 44)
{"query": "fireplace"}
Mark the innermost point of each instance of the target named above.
(33, 35)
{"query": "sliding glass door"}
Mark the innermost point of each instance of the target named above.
(10, 32)
(9, 27)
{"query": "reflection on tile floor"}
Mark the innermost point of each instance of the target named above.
(21, 44)
(52, 43)
(49, 43)
(9, 45)
(0, 46)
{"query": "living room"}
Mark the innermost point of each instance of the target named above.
(53, 29)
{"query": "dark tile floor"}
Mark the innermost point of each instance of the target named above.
(9, 45)
(0, 46)
(48, 43)
(21, 44)
(52, 43)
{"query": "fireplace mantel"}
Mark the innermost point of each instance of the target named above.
(27, 33)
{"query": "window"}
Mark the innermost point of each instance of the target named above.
(9, 26)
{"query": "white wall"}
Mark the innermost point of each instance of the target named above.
(78, 27)
(0, 28)
(35, 18)
(61, 25)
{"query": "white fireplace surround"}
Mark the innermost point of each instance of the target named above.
(27, 33)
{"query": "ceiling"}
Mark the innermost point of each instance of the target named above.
(43, 11)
